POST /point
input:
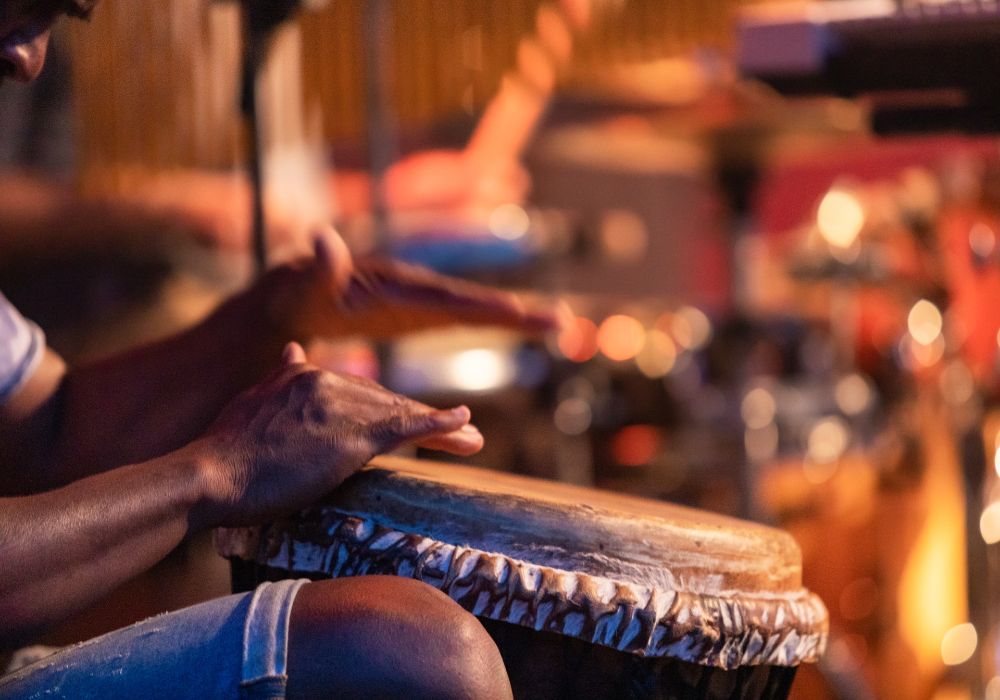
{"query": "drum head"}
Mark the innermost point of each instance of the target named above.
(641, 576)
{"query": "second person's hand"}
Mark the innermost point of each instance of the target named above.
(333, 295)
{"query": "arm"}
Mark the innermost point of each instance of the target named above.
(298, 434)
(66, 548)
(132, 407)
(68, 424)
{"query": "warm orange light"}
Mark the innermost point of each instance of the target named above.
(917, 356)
(982, 240)
(925, 322)
(658, 356)
(828, 439)
(993, 688)
(690, 327)
(840, 218)
(635, 445)
(621, 337)
(853, 394)
(624, 235)
(578, 339)
(858, 599)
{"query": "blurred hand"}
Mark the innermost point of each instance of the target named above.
(331, 295)
(297, 435)
(453, 182)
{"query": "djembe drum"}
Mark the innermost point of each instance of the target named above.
(587, 593)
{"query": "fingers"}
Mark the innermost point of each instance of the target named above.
(445, 430)
(559, 315)
(334, 260)
(293, 354)
(506, 309)
(464, 442)
(437, 300)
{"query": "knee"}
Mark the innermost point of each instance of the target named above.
(389, 636)
(473, 666)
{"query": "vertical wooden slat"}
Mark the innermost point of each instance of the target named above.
(156, 81)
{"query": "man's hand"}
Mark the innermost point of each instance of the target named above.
(332, 296)
(299, 434)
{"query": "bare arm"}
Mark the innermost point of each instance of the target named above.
(68, 424)
(274, 449)
(127, 409)
(67, 548)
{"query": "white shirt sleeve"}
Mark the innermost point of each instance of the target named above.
(22, 345)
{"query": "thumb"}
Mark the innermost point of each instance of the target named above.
(293, 354)
(333, 259)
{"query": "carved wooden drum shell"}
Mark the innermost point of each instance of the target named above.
(587, 593)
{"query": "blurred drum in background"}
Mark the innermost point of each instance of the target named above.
(587, 593)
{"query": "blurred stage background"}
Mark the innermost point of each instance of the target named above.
(776, 313)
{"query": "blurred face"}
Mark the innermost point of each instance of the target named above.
(24, 34)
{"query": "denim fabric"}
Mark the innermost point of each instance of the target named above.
(234, 647)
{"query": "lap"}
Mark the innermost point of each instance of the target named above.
(205, 651)
(372, 636)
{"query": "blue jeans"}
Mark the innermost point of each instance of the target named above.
(232, 647)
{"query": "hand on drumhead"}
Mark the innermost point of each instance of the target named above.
(297, 435)
(332, 295)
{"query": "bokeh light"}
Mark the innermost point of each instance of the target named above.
(573, 416)
(925, 322)
(957, 384)
(853, 394)
(624, 235)
(959, 644)
(989, 523)
(916, 355)
(658, 355)
(621, 337)
(840, 218)
(828, 440)
(982, 240)
(691, 328)
(509, 222)
(758, 408)
(577, 340)
(480, 370)
(636, 445)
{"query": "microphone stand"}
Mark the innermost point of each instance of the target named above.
(260, 20)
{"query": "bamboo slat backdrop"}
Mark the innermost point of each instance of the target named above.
(156, 81)
(156, 86)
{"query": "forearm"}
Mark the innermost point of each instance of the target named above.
(156, 398)
(42, 215)
(64, 549)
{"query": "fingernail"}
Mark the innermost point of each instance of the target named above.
(469, 429)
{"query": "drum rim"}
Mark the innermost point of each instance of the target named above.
(727, 631)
